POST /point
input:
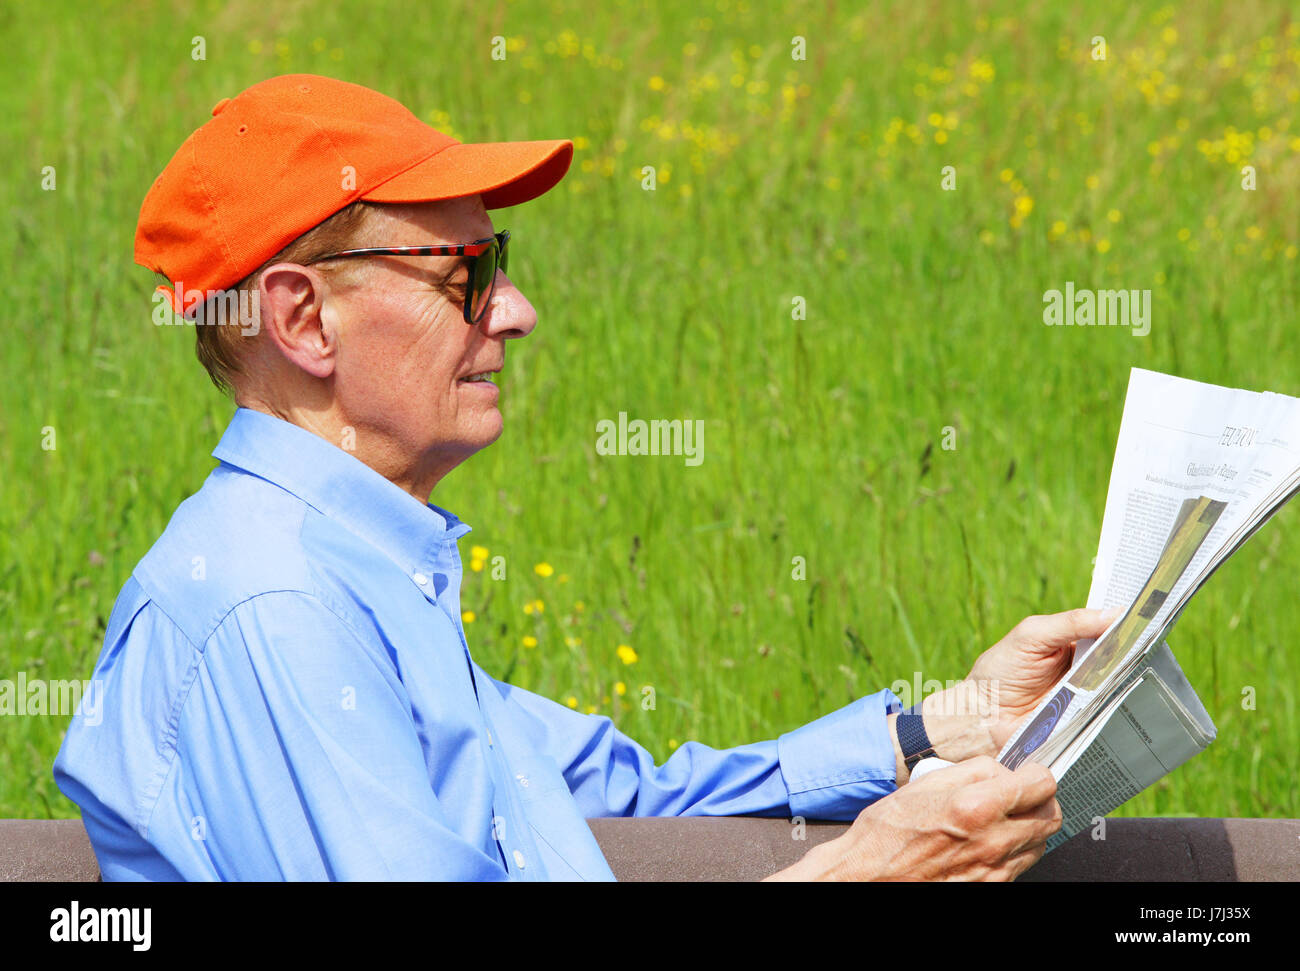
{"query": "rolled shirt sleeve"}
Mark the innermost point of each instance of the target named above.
(843, 761)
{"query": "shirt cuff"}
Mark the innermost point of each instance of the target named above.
(840, 763)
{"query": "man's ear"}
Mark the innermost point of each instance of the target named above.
(293, 315)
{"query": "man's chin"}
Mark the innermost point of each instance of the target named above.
(486, 431)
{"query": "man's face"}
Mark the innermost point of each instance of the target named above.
(405, 352)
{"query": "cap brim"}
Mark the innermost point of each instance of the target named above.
(503, 173)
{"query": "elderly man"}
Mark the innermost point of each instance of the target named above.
(288, 691)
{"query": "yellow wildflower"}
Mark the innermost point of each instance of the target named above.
(543, 569)
(626, 654)
(530, 640)
(467, 616)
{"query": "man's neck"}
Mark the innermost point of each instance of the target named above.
(369, 446)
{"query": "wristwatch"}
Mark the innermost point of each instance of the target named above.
(912, 738)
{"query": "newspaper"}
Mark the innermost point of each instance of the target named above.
(1198, 468)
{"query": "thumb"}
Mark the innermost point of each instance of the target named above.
(1060, 630)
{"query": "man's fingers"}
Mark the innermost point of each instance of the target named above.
(1036, 786)
(1022, 791)
(1060, 630)
(1031, 830)
(1018, 864)
(1016, 792)
(967, 772)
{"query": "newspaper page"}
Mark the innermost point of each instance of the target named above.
(1197, 469)
(1151, 726)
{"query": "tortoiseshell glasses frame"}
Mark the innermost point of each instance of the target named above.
(485, 257)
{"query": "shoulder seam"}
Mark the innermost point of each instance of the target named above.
(144, 812)
(172, 728)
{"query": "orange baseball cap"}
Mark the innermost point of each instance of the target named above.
(289, 152)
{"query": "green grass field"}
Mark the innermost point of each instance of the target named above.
(777, 178)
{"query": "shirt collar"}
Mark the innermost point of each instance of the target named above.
(340, 486)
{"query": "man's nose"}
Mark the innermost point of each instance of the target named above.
(509, 315)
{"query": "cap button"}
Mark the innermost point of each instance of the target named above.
(219, 106)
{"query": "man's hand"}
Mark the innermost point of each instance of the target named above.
(973, 821)
(976, 716)
(1016, 673)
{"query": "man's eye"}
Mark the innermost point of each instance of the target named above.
(455, 286)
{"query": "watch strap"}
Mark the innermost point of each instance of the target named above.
(912, 738)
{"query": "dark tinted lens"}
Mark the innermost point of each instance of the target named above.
(485, 272)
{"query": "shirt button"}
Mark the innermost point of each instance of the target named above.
(420, 578)
(519, 859)
(523, 780)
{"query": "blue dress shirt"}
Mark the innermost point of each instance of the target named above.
(285, 692)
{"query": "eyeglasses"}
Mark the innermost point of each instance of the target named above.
(485, 257)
